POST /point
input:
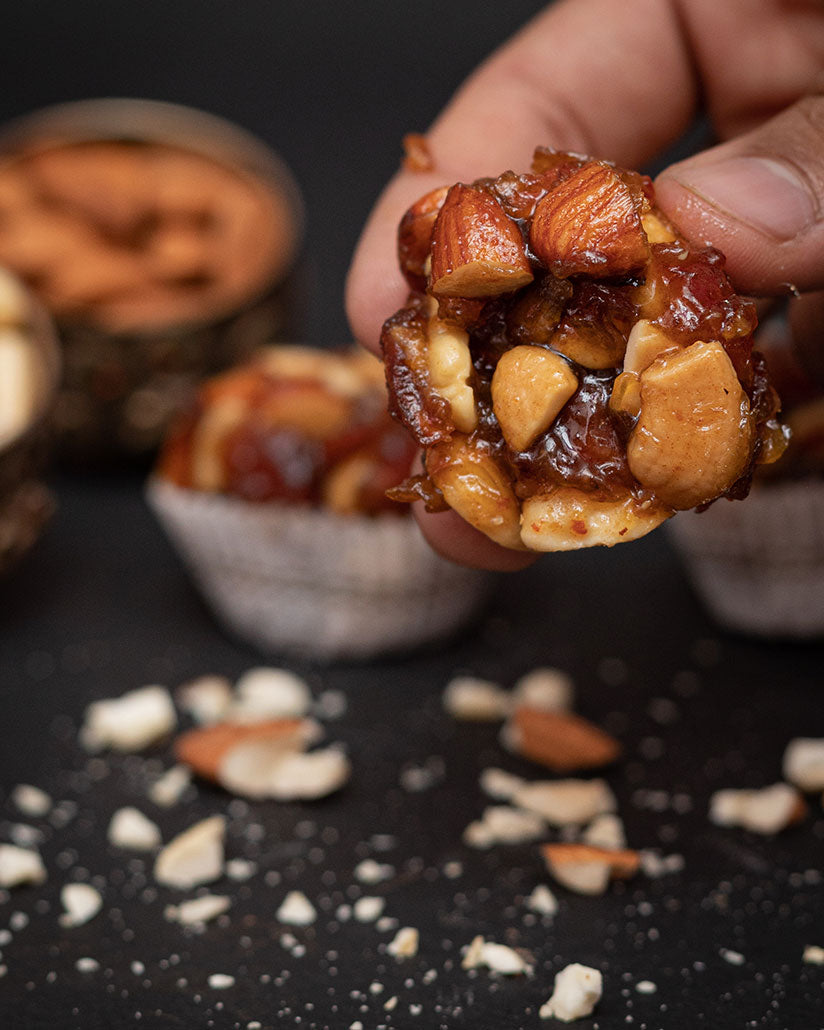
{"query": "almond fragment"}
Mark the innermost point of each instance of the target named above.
(194, 856)
(415, 235)
(203, 749)
(562, 741)
(589, 223)
(566, 519)
(263, 768)
(19, 866)
(565, 802)
(530, 385)
(766, 811)
(587, 869)
(576, 992)
(477, 249)
(803, 763)
(81, 903)
(450, 369)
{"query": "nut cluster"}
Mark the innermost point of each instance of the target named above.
(574, 370)
(295, 425)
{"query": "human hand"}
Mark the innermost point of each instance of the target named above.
(621, 83)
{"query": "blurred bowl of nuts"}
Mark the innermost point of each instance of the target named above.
(161, 239)
(29, 376)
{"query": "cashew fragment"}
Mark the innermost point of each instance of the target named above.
(625, 398)
(645, 343)
(530, 385)
(694, 433)
(450, 366)
(476, 488)
(568, 519)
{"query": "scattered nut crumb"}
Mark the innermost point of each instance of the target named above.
(129, 723)
(577, 991)
(646, 987)
(87, 965)
(564, 802)
(803, 763)
(220, 981)
(19, 866)
(31, 801)
(814, 955)
(605, 831)
(405, 943)
(544, 688)
(194, 856)
(296, 910)
(198, 910)
(81, 903)
(476, 700)
(501, 824)
(497, 957)
(543, 901)
(267, 693)
(370, 871)
(206, 699)
(368, 909)
(735, 958)
(766, 811)
(130, 828)
(170, 787)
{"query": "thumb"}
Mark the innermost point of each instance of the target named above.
(759, 199)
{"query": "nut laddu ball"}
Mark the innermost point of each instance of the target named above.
(573, 369)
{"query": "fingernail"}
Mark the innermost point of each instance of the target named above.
(764, 193)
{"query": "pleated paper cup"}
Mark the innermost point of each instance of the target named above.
(308, 582)
(758, 564)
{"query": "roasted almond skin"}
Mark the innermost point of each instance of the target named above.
(562, 741)
(204, 748)
(623, 862)
(477, 249)
(415, 236)
(589, 224)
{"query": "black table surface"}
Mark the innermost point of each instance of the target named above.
(103, 605)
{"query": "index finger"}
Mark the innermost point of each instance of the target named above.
(581, 76)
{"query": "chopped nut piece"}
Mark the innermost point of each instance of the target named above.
(605, 831)
(415, 235)
(206, 698)
(694, 432)
(645, 343)
(499, 784)
(296, 910)
(501, 824)
(562, 741)
(19, 866)
(368, 909)
(577, 991)
(543, 901)
(131, 722)
(405, 943)
(450, 368)
(32, 801)
(194, 856)
(370, 871)
(814, 955)
(547, 689)
(19, 388)
(803, 763)
(475, 700)
(477, 249)
(265, 693)
(497, 957)
(566, 802)
(586, 869)
(530, 385)
(625, 398)
(197, 910)
(169, 788)
(130, 828)
(221, 981)
(264, 769)
(81, 902)
(204, 749)
(766, 811)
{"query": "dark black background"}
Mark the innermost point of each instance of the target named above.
(102, 605)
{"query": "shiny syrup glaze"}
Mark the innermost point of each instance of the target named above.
(684, 290)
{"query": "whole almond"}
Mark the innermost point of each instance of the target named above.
(477, 249)
(561, 741)
(589, 223)
(203, 749)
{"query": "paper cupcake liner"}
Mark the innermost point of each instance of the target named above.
(758, 564)
(309, 582)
